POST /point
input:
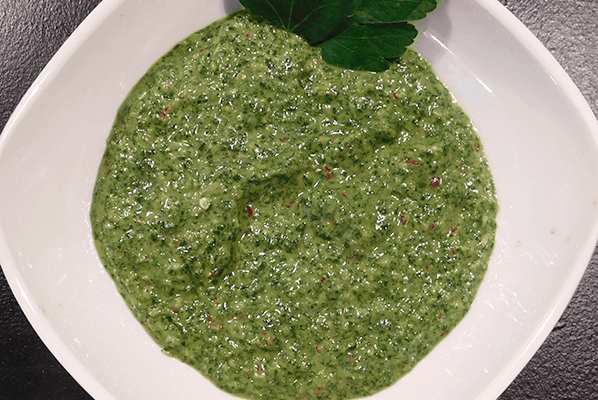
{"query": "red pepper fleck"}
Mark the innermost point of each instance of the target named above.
(286, 138)
(344, 194)
(352, 359)
(209, 318)
(427, 266)
(476, 147)
(394, 95)
(329, 177)
(164, 113)
(435, 182)
(327, 169)
(453, 230)
(352, 256)
(202, 50)
(318, 350)
(443, 333)
(322, 280)
(249, 211)
(432, 226)
(289, 206)
(270, 339)
(247, 34)
(453, 252)
(411, 161)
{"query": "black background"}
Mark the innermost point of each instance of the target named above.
(565, 367)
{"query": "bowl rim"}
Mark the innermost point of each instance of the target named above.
(62, 352)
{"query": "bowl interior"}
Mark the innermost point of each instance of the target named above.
(537, 133)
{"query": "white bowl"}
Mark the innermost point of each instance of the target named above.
(539, 135)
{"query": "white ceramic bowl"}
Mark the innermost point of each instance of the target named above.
(540, 138)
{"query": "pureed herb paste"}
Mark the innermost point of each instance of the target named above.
(288, 228)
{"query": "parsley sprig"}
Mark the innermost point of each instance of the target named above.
(353, 34)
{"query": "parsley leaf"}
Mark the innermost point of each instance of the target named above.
(368, 47)
(389, 11)
(353, 34)
(315, 20)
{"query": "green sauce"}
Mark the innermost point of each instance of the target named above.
(288, 228)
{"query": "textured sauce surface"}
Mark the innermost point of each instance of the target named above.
(288, 228)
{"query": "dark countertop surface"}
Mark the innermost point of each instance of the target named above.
(565, 367)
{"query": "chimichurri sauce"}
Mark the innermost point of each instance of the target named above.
(288, 228)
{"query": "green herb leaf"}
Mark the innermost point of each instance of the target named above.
(354, 34)
(367, 47)
(315, 20)
(390, 11)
